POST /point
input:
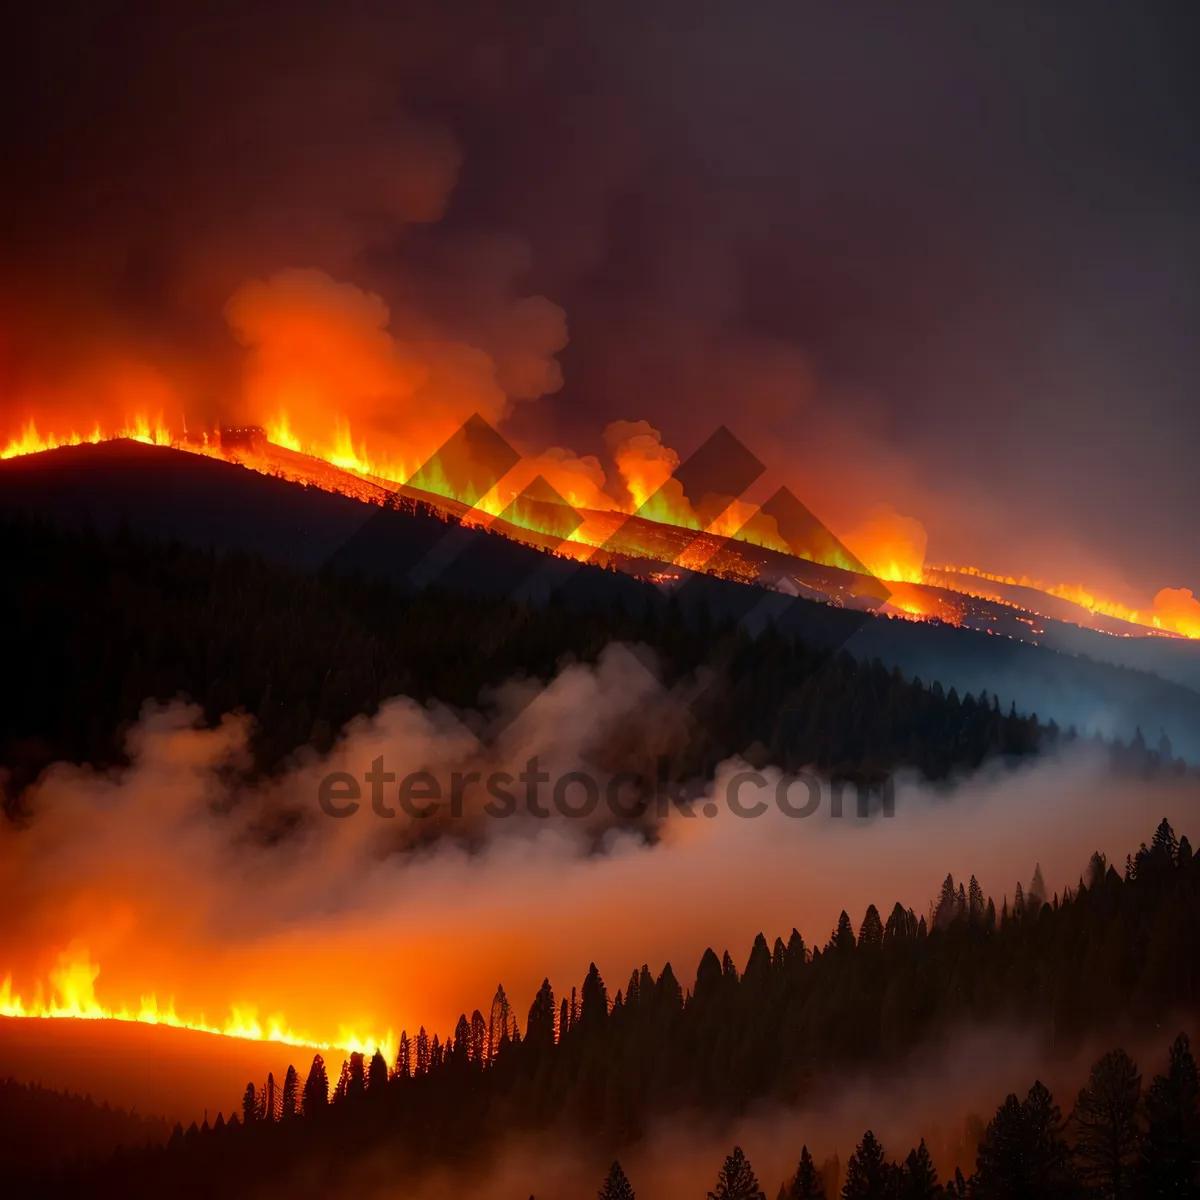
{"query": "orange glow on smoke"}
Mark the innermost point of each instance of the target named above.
(891, 546)
(71, 993)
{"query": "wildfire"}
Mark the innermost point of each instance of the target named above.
(1175, 610)
(538, 493)
(72, 994)
(914, 603)
(140, 429)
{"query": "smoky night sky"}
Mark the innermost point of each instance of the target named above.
(927, 255)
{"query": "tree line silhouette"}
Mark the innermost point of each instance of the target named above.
(1116, 950)
(40, 1126)
(109, 621)
(1119, 1142)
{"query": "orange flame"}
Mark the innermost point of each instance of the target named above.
(891, 546)
(72, 994)
(1175, 610)
(139, 429)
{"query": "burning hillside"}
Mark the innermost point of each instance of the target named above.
(556, 502)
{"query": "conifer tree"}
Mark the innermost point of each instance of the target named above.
(667, 994)
(356, 1084)
(976, 905)
(343, 1083)
(1164, 844)
(616, 1186)
(377, 1074)
(478, 1042)
(1106, 1118)
(708, 977)
(870, 934)
(462, 1039)
(918, 1180)
(316, 1087)
(290, 1105)
(736, 1180)
(806, 1183)
(947, 904)
(249, 1105)
(404, 1062)
(1169, 1164)
(498, 1022)
(1023, 1152)
(594, 1007)
(843, 935)
(867, 1171)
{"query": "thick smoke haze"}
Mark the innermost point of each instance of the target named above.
(174, 877)
(947, 268)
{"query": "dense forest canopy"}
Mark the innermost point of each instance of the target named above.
(109, 621)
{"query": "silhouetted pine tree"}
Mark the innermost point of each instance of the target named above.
(249, 1105)
(1106, 1117)
(290, 1105)
(806, 1183)
(616, 1186)
(959, 1188)
(947, 904)
(343, 1083)
(499, 1019)
(868, 1173)
(478, 1042)
(870, 935)
(316, 1087)
(377, 1075)
(1023, 1152)
(918, 1179)
(1169, 1165)
(736, 1180)
(594, 1006)
(976, 904)
(404, 1063)
(843, 935)
(539, 1029)
(356, 1080)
